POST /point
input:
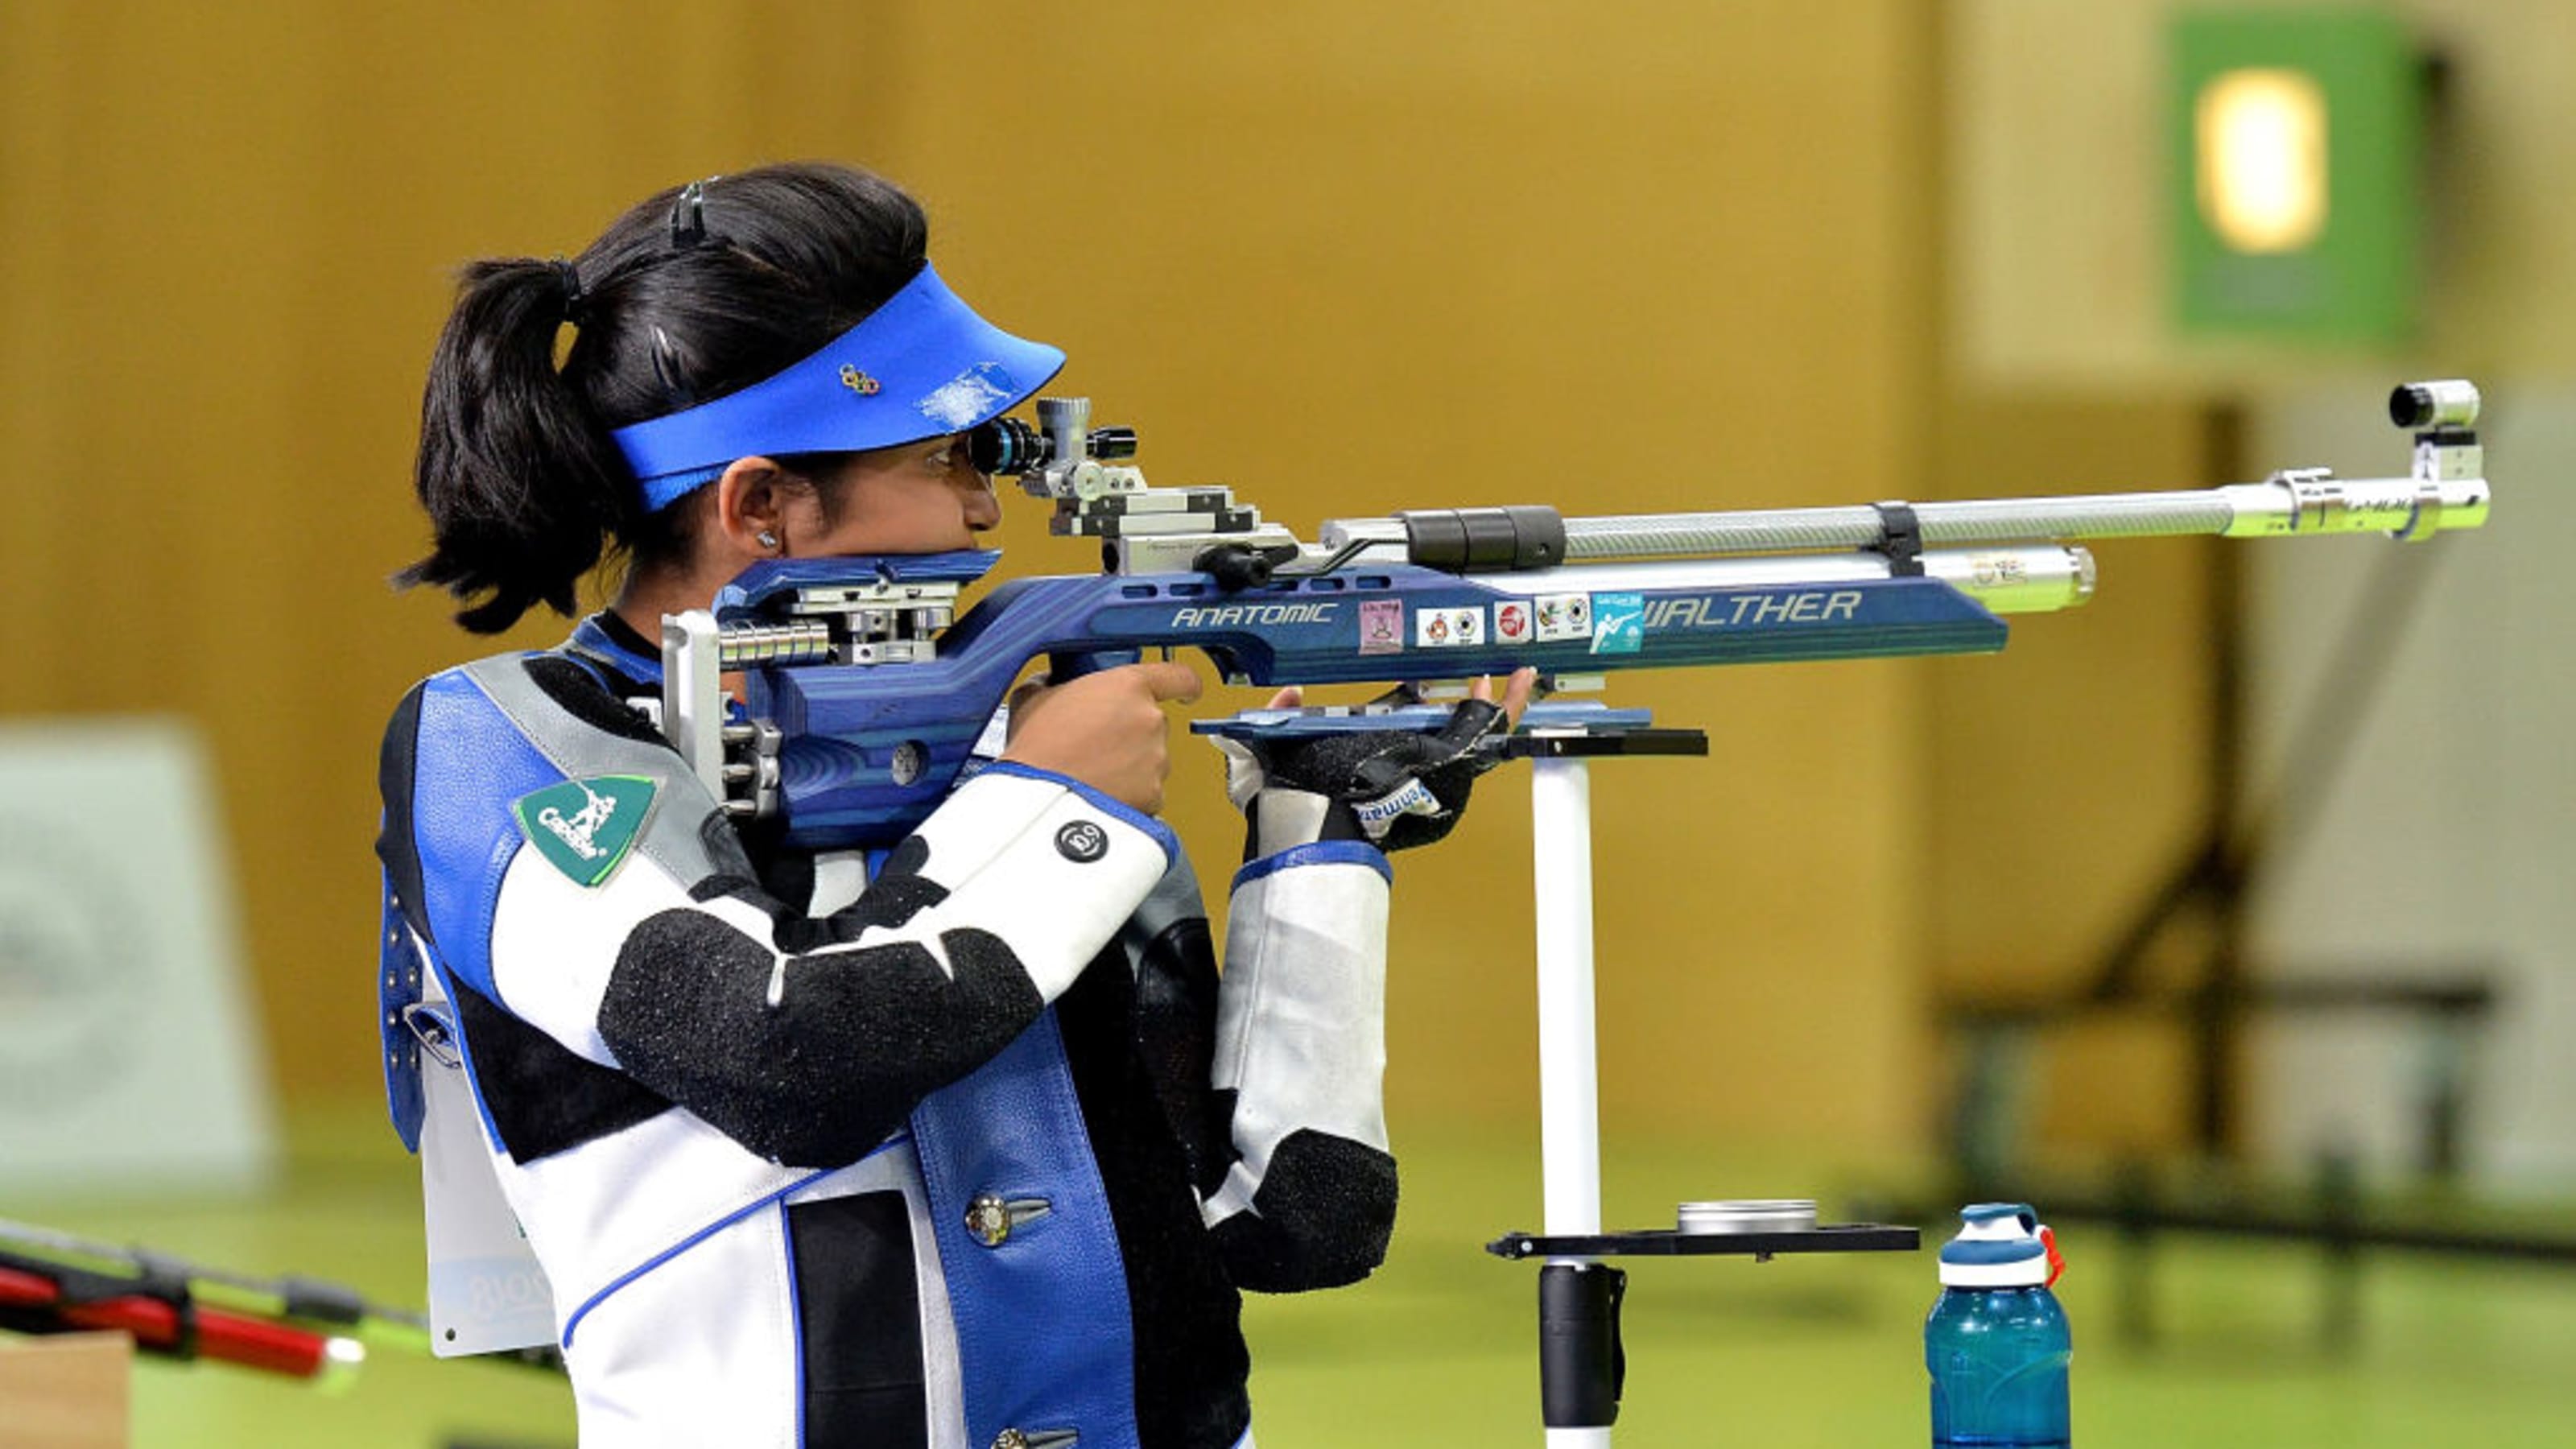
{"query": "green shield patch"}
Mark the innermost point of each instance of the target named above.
(585, 827)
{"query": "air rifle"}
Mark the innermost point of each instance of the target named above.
(866, 692)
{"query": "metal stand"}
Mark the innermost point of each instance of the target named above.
(1582, 1366)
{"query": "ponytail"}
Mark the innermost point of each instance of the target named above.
(521, 483)
(525, 489)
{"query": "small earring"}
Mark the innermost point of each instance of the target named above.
(768, 539)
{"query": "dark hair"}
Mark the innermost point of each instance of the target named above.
(677, 303)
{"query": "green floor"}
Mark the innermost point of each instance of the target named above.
(1436, 1349)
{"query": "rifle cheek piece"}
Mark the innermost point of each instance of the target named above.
(1484, 540)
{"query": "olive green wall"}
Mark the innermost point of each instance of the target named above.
(1651, 258)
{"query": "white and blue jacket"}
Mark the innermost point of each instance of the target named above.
(972, 1150)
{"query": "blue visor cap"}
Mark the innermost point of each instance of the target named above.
(918, 367)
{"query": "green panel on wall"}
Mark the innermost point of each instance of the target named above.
(2302, 226)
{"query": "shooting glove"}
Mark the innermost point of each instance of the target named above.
(1393, 788)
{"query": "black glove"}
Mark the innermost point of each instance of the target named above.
(1394, 788)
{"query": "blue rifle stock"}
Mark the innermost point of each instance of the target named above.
(866, 693)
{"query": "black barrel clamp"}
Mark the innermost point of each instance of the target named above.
(1902, 540)
(1484, 540)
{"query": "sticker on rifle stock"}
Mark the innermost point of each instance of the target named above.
(1512, 622)
(1382, 626)
(1449, 628)
(1563, 616)
(1618, 623)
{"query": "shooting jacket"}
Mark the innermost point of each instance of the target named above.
(965, 1146)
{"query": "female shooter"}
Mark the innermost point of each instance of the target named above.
(965, 1145)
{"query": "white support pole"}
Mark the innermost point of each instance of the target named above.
(1568, 1069)
(1569, 1115)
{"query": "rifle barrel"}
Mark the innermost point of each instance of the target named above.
(2294, 503)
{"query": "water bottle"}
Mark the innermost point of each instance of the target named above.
(1996, 1342)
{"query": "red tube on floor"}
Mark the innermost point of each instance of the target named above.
(153, 1324)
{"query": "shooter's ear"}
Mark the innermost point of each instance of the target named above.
(751, 508)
